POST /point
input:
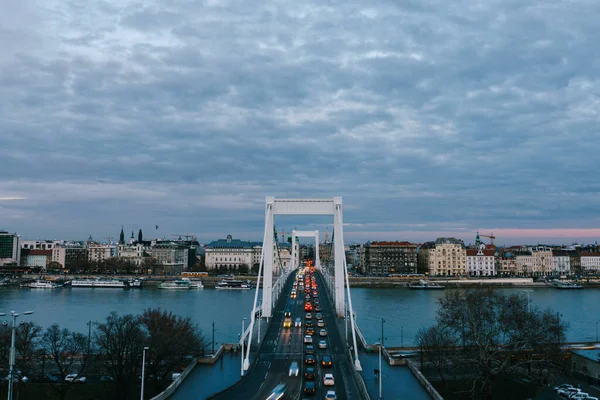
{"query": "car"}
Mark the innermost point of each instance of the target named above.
(579, 396)
(309, 359)
(309, 388)
(319, 316)
(309, 324)
(330, 395)
(309, 349)
(310, 331)
(328, 380)
(323, 332)
(320, 323)
(309, 373)
(287, 313)
(308, 307)
(75, 378)
(307, 339)
(326, 361)
(298, 323)
(563, 386)
(278, 392)
(317, 308)
(308, 315)
(294, 369)
(322, 344)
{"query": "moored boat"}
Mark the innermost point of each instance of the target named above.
(565, 285)
(99, 283)
(42, 285)
(425, 285)
(233, 284)
(181, 284)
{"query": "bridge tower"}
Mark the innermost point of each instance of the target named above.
(332, 206)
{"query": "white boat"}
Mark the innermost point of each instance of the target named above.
(233, 285)
(425, 285)
(99, 283)
(134, 283)
(565, 285)
(43, 285)
(181, 284)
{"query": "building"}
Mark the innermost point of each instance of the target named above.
(524, 262)
(231, 254)
(574, 262)
(173, 257)
(542, 261)
(39, 244)
(507, 265)
(480, 261)
(590, 262)
(449, 258)
(423, 253)
(355, 258)
(69, 255)
(98, 252)
(38, 258)
(384, 258)
(561, 262)
(10, 249)
(586, 363)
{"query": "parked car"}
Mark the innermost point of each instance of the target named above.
(75, 378)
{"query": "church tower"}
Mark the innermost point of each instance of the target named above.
(122, 236)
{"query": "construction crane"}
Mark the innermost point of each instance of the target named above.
(490, 236)
(187, 236)
(283, 236)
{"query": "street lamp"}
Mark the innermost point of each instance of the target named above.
(380, 373)
(143, 371)
(242, 339)
(11, 360)
(527, 291)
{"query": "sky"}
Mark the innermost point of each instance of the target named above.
(429, 117)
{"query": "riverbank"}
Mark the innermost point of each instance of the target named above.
(355, 281)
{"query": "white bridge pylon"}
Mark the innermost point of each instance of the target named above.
(332, 206)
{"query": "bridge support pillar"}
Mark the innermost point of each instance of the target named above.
(268, 260)
(339, 256)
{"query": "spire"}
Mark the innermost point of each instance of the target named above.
(122, 236)
(477, 240)
(90, 238)
(140, 236)
(132, 237)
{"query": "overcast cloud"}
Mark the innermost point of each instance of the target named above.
(429, 117)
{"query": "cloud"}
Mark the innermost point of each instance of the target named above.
(425, 116)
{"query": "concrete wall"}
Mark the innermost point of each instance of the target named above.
(426, 384)
(173, 386)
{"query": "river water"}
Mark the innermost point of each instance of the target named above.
(404, 310)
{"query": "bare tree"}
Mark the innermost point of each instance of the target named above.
(173, 341)
(498, 335)
(26, 343)
(440, 345)
(66, 351)
(120, 340)
(5, 339)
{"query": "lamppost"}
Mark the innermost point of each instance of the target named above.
(143, 371)
(380, 374)
(11, 360)
(242, 340)
(527, 291)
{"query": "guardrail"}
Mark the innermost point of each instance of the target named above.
(360, 382)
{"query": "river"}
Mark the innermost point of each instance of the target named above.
(404, 310)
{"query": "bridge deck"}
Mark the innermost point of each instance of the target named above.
(280, 347)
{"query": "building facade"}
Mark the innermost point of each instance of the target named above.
(561, 262)
(385, 258)
(590, 262)
(173, 257)
(542, 261)
(40, 244)
(39, 258)
(10, 249)
(449, 258)
(69, 255)
(97, 252)
(480, 262)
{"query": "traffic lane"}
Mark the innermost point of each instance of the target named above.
(255, 380)
(342, 364)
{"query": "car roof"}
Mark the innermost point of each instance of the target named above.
(308, 384)
(328, 375)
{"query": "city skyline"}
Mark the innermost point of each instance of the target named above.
(429, 119)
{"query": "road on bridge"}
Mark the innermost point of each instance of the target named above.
(282, 346)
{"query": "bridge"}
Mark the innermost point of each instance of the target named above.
(280, 346)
